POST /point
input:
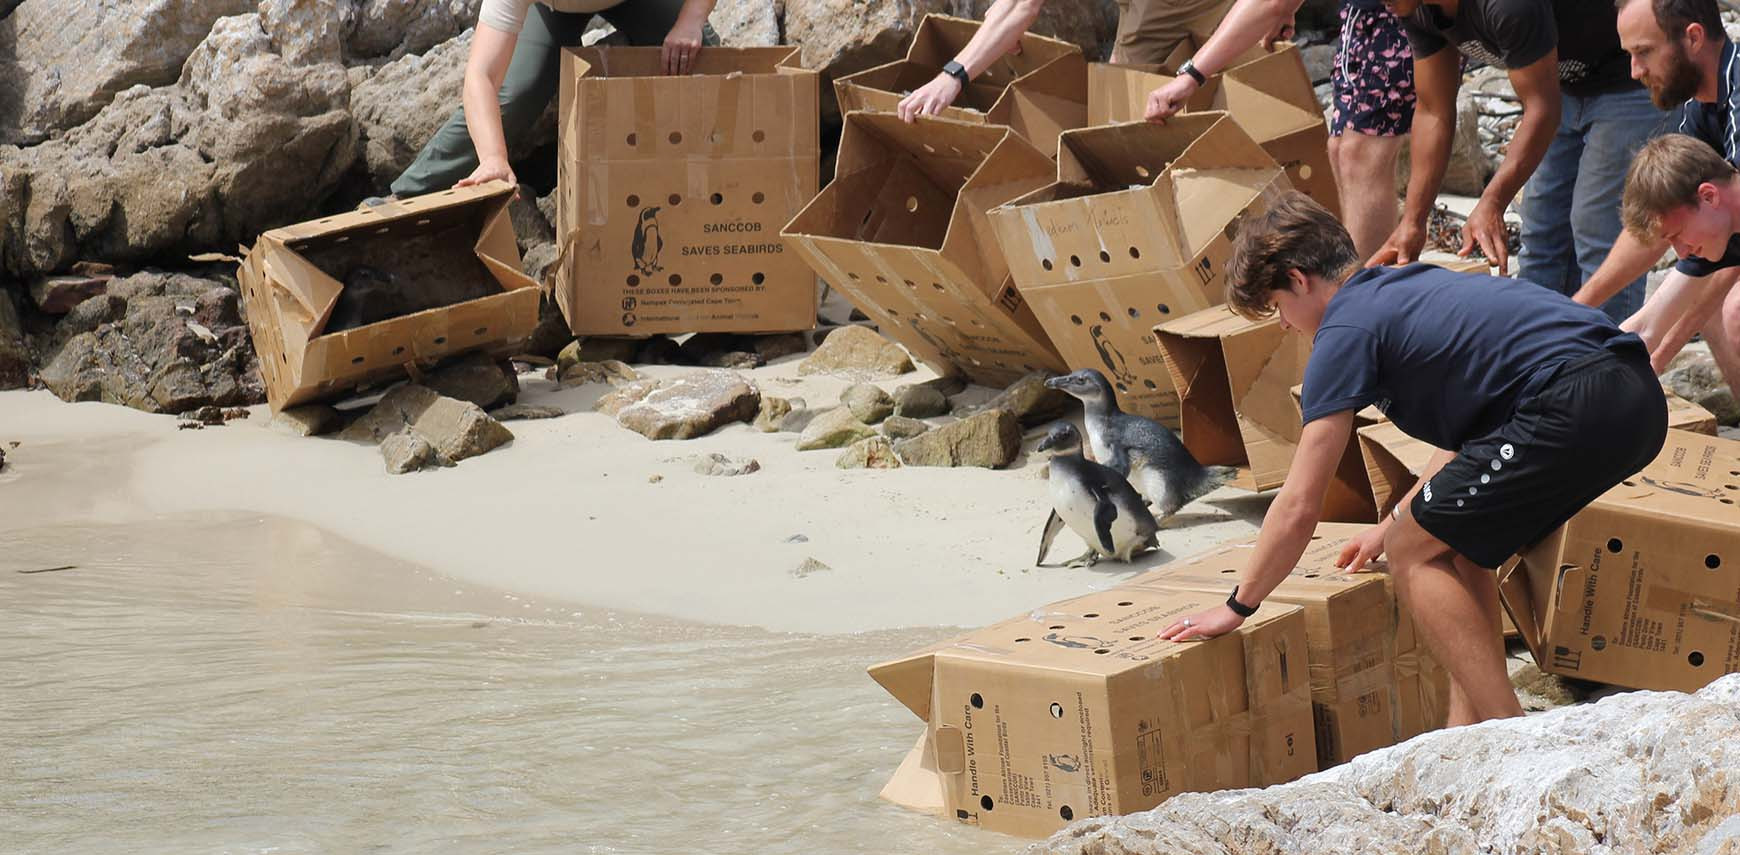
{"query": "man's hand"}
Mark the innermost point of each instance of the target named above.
(682, 45)
(1169, 99)
(1363, 548)
(1282, 33)
(1403, 246)
(1485, 229)
(487, 171)
(1219, 620)
(929, 99)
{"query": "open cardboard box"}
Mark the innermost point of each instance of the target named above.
(1039, 91)
(1642, 587)
(1076, 710)
(461, 240)
(672, 191)
(902, 232)
(1135, 230)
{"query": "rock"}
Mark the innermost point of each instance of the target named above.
(551, 335)
(857, 351)
(746, 23)
(867, 402)
(1693, 375)
(1470, 166)
(531, 228)
(920, 401)
(991, 438)
(612, 372)
(901, 427)
(595, 349)
(872, 453)
(308, 420)
(1319, 61)
(719, 464)
(721, 350)
(14, 353)
(92, 313)
(400, 106)
(773, 410)
(1030, 401)
(1539, 690)
(809, 565)
(684, 407)
(405, 451)
(456, 429)
(159, 357)
(477, 378)
(835, 428)
(628, 393)
(1634, 773)
(526, 412)
(778, 346)
(948, 385)
(660, 350)
(398, 28)
(304, 32)
(57, 295)
(2, 460)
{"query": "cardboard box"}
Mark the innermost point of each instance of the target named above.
(292, 282)
(1349, 498)
(1076, 710)
(902, 232)
(1039, 91)
(1687, 416)
(1363, 648)
(1268, 94)
(672, 191)
(1135, 230)
(1642, 588)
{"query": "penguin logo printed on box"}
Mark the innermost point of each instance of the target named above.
(1111, 356)
(1063, 762)
(1683, 488)
(647, 241)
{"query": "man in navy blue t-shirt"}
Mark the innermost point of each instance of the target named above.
(1547, 403)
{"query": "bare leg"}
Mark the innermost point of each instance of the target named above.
(1365, 173)
(1678, 308)
(1722, 331)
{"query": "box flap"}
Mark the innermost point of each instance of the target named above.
(1393, 462)
(909, 680)
(1262, 362)
(620, 61)
(1208, 424)
(1271, 96)
(918, 783)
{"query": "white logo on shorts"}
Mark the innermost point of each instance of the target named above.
(1507, 451)
(1427, 491)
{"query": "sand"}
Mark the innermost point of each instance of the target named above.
(571, 510)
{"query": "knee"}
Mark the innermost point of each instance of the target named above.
(1367, 158)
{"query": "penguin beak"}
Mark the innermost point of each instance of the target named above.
(1047, 443)
(1057, 382)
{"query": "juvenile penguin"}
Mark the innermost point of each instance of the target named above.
(1145, 451)
(1094, 501)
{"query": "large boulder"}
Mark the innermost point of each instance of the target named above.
(989, 439)
(455, 430)
(856, 351)
(402, 104)
(476, 378)
(393, 29)
(683, 407)
(1032, 401)
(1641, 772)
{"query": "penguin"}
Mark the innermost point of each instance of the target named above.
(647, 242)
(1141, 449)
(1110, 355)
(1094, 501)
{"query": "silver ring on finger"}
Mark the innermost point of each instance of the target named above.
(1187, 622)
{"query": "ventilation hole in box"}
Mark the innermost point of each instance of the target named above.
(1022, 640)
(1164, 309)
(285, 357)
(1075, 319)
(1629, 483)
(929, 149)
(1105, 317)
(633, 201)
(1134, 312)
(893, 314)
(1696, 658)
(675, 137)
(1105, 257)
(921, 317)
(1075, 261)
(441, 339)
(1045, 263)
(758, 278)
(977, 700)
(1059, 626)
(1135, 253)
(1066, 813)
(325, 221)
(716, 278)
(1305, 171)
(676, 279)
(1135, 638)
(1150, 384)
(718, 198)
(1056, 710)
(1126, 603)
(356, 360)
(910, 284)
(1102, 651)
(853, 276)
(633, 280)
(1615, 544)
(1143, 171)
(399, 351)
(1726, 501)
(1123, 388)
(632, 139)
(938, 286)
(1229, 571)
(985, 802)
(480, 331)
(1091, 615)
(675, 200)
(715, 138)
(1712, 561)
(881, 278)
(1310, 575)
(423, 222)
(911, 203)
(759, 136)
(758, 198)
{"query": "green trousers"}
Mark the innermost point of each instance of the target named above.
(532, 81)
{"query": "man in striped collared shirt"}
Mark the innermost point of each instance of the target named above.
(1681, 52)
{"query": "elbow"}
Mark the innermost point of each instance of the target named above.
(1295, 512)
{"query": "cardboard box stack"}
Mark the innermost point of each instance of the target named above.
(1039, 91)
(1075, 710)
(1135, 230)
(1642, 588)
(902, 232)
(350, 300)
(672, 191)
(1372, 683)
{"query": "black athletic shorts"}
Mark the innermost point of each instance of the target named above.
(1595, 421)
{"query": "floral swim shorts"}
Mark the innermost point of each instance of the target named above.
(1373, 78)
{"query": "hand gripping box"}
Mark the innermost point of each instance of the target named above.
(1135, 231)
(902, 232)
(1642, 587)
(672, 191)
(1268, 94)
(1075, 710)
(1363, 651)
(359, 298)
(1039, 91)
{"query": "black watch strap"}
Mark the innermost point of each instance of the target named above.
(1240, 609)
(958, 72)
(1189, 68)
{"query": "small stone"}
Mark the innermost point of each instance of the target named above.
(809, 565)
(991, 438)
(719, 464)
(57, 295)
(948, 385)
(1552, 689)
(405, 452)
(920, 401)
(684, 407)
(654, 479)
(773, 410)
(857, 351)
(309, 420)
(526, 412)
(611, 371)
(872, 453)
(868, 402)
(208, 416)
(798, 538)
(1031, 401)
(901, 427)
(836, 428)
(456, 429)
(476, 378)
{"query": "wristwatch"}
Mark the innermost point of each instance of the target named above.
(1240, 609)
(1188, 67)
(958, 72)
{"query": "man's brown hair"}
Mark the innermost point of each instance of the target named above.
(1673, 16)
(1665, 175)
(1294, 233)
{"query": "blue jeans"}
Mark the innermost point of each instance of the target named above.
(1570, 209)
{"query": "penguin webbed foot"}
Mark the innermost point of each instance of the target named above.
(1086, 559)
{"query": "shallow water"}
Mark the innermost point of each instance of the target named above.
(255, 685)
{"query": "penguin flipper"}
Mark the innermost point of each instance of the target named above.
(1053, 525)
(1105, 513)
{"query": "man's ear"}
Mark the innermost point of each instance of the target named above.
(1297, 281)
(1709, 193)
(1695, 37)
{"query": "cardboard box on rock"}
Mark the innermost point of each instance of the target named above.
(1642, 588)
(1135, 230)
(358, 298)
(1076, 710)
(1372, 683)
(902, 232)
(672, 191)
(1039, 91)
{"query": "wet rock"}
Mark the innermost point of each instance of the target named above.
(57, 295)
(684, 407)
(309, 420)
(14, 353)
(611, 371)
(1638, 772)
(772, 411)
(920, 401)
(456, 429)
(1030, 401)
(526, 412)
(405, 451)
(867, 402)
(901, 427)
(476, 378)
(809, 566)
(1693, 375)
(872, 453)
(719, 464)
(991, 439)
(857, 351)
(835, 428)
